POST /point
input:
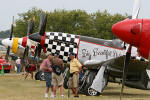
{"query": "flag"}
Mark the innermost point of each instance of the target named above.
(2, 71)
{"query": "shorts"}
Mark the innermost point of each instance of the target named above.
(57, 80)
(48, 78)
(74, 81)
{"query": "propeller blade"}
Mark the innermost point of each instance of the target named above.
(36, 51)
(136, 9)
(30, 27)
(11, 30)
(29, 31)
(43, 21)
(7, 54)
(27, 52)
(25, 55)
(125, 68)
(44, 24)
(42, 28)
(124, 45)
(10, 38)
(39, 50)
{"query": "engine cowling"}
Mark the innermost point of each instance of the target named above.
(144, 46)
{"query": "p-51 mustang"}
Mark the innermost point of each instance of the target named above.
(91, 52)
(135, 32)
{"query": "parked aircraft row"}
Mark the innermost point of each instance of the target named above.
(95, 52)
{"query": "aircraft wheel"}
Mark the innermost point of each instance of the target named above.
(89, 91)
(7, 71)
(42, 76)
(37, 75)
(92, 92)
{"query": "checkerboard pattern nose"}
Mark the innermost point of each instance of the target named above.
(63, 43)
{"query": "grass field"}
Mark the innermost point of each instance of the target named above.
(13, 87)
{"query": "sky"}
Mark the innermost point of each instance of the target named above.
(9, 8)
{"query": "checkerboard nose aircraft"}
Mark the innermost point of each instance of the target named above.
(106, 56)
(85, 48)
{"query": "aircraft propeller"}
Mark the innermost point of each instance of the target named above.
(42, 28)
(10, 38)
(29, 31)
(135, 13)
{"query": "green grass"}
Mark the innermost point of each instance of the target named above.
(13, 87)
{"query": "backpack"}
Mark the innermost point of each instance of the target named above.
(56, 68)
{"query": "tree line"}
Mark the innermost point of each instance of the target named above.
(78, 22)
(4, 34)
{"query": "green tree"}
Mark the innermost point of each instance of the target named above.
(4, 34)
(75, 22)
(22, 23)
(103, 22)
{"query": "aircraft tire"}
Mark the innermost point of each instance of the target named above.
(90, 92)
(7, 71)
(37, 75)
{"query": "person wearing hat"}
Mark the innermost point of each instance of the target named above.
(46, 68)
(75, 67)
(57, 77)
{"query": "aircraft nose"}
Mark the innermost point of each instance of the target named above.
(120, 30)
(128, 31)
(6, 42)
(35, 37)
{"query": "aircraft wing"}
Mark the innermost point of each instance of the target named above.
(138, 74)
(135, 66)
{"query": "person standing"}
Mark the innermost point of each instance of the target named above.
(18, 64)
(75, 67)
(30, 68)
(57, 77)
(46, 68)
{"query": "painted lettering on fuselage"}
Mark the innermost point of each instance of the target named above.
(97, 52)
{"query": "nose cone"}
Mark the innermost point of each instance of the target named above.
(35, 37)
(6, 42)
(123, 30)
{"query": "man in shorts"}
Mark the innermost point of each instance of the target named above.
(75, 67)
(57, 77)
(46, 68)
